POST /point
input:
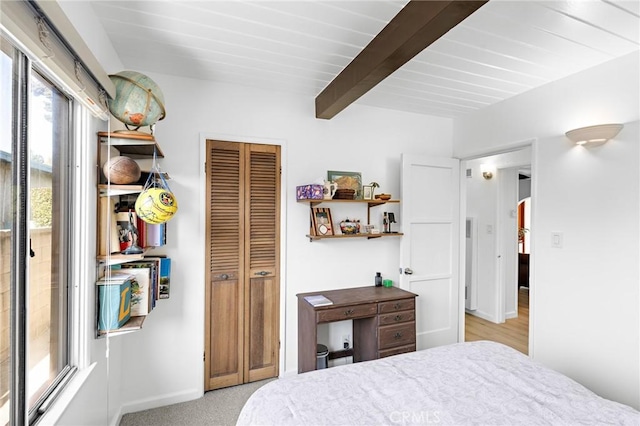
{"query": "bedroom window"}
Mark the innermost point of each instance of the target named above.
(35, 210)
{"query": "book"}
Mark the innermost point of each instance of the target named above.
(162, 272)
(318, 300)
(153, 264)
(108, 236)
(140, 289)
(165, 278)
(163, 275)
(142, 232)
(156, 235)
(114, 301)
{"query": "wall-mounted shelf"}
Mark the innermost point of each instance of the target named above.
(118, 258)
(134, 324)
(113, 190)
(134, 145)
(369, 203)
(367, 236)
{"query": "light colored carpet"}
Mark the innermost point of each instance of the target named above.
(218, 407)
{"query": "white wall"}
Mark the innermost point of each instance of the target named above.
(584, 296)
(482, 203)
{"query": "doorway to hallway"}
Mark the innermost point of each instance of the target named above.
(497, 302)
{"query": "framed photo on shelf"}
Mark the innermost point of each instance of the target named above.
(367, 192)
(347, 180)
(322, 223)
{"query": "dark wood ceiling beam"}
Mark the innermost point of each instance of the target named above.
(415, 27)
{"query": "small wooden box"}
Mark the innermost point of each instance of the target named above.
(114, 301)
(309, 192)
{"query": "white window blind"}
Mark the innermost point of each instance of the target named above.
(42, 29)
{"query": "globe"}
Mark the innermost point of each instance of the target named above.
(138, 102)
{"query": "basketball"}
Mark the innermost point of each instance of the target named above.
(156, 205)
(121, 170)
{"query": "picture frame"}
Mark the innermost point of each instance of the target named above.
(322, 222)
(367, 192)
(347, 180)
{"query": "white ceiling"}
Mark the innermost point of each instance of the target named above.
(503, 49)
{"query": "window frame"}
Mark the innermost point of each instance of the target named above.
(76, 175)
(65, 223)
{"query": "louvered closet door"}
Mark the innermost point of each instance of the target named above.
(224, 291)
(243, 217)
(262, 255)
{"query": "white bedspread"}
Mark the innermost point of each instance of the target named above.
(481, 383)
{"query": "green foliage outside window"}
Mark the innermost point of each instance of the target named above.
(41, 206)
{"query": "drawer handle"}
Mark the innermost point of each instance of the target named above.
(348, 312)
(262, 273)
(398, 335)
(397, 306)
(398, 317)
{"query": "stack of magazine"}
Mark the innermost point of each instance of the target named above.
(318, 300)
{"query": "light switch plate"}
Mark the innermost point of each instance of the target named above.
(556, 239)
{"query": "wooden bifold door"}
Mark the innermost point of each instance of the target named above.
(242, 263)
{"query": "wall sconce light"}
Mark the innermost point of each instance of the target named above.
(594, 135)
(487, 171)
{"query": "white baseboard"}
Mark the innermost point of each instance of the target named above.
(511, 315)
(159, 401)
(289, 373)
(484, 316)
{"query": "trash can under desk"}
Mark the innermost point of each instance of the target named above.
(322, 355)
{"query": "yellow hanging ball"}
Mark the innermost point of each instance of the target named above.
(156, 205)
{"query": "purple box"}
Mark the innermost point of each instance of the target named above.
(309, 192)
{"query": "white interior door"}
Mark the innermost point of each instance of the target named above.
(471, 264)
(429, 255)
(507, 238)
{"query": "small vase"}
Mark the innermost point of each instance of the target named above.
(329, 189)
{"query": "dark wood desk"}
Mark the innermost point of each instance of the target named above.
(383, 322)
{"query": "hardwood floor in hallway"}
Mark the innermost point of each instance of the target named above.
(513, 333)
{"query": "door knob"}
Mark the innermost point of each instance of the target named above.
(408, 271)
(224, 276)
(262, 273)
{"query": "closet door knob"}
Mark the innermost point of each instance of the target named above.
(223, 277)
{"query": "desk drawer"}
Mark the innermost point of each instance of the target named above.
(396, 318)
(397, 351)
(396, 335)
(347, 312)
(396, 305)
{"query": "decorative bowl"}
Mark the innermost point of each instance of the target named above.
(348, 227)
(383, 197)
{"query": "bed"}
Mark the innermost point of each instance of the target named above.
(482, 383)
